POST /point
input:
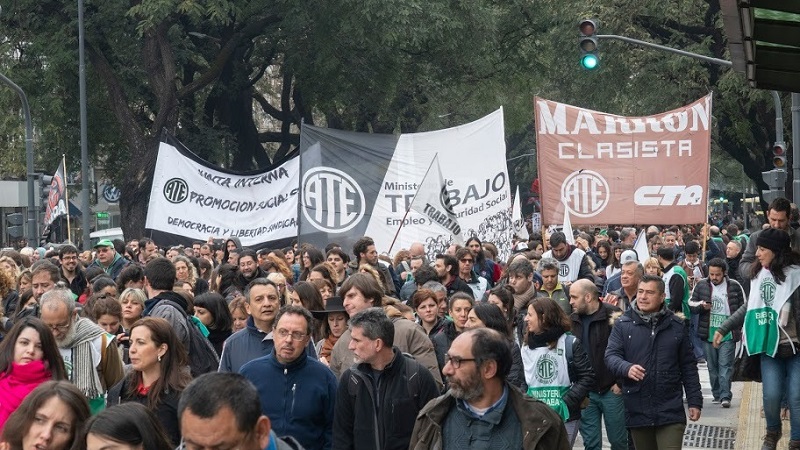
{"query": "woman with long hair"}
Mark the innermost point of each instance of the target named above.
(489, 316)
(129, 426)
(458, 306)
(547, 343)
(159, 373)
(279, 266)
(212, 310)
(225, 281)
(770, 329)
(614, 265)
(186, 271)
(324, 271)
(307, 295)
(426, 306)
(334, 322)
(311, 257)
(29, 356)
(50, 417)
(8, 294)
(283, 287)
(652, 267)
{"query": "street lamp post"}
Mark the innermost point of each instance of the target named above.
(84, 144)
(26, 110)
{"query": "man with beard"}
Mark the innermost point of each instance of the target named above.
(481, 407)
(365, 252)
(90, 355)
(71, 273)
(380, 396)
(447, 269)
(714, 299)
(591, 323)
(573, 263)
(248, 269)
(257, 339)
(287, 376)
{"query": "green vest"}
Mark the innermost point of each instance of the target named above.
(676, 269)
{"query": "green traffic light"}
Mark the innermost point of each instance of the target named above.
(589, 62)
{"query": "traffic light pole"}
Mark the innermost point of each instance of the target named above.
(26, 110)
(778, 111)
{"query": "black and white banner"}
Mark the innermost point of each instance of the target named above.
(193, 199)
(357, 184)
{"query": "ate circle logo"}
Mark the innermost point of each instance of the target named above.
(176, 190)
(332, 200)
(563, 270)
(767, 289)
(546, 369)
(585, 193)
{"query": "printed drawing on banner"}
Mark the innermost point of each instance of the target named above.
(585, 193)
(332, 200)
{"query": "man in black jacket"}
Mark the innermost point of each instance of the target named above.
(650, 351)
(591, 323)
(378, 399)
(714, 299)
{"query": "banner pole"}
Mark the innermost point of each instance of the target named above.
(299, 183)
(397, 233)
(66, 194)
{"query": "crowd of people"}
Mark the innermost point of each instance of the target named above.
(224, 346)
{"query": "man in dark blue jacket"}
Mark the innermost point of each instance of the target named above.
(297, 392)
(650, 350)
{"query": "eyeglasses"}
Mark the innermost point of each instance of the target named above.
(467, 260)
(296, 335)
(69, 258)
(60, 328)
(456, 360)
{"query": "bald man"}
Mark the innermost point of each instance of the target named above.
(591, 323)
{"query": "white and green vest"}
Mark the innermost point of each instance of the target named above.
(547, 375)
(569, 268)
(676, 269)
(720, 310)
(762, 325)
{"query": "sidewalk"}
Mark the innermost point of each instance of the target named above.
(752, 426)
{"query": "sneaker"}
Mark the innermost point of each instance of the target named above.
(726, 403)
(715, 401)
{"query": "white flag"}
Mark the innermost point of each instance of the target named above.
(516, 218)
(641, 247)
(433, 201)
(567, 228)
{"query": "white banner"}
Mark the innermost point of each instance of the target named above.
(472, 161)
(196, 201)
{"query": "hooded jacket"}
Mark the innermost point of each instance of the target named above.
(297, 397)
(664, 349)
(177, 319)
(114, 268)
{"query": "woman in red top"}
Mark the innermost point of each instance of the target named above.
(29, 356)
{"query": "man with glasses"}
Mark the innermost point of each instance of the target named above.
(90, 354)
(466, 272)
(71, 272)
(379, 398)
(248, 269)
(222, 411)
(257, 339)
(480, 407)
(108, 259)
(296, 392)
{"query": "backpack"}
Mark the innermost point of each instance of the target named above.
(412, 376)
(202, 356)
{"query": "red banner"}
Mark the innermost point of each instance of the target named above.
(609, 169)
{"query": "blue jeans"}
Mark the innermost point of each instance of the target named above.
(697, 343)
(720, 368)
(779, 376)
(611, 407)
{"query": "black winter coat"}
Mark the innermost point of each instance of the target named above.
(166, 411)
(599, 331)
(702, 292)
(370, 419)
(665, 351)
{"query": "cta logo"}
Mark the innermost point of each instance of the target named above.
(176, 190)
(585, 193)
(668, 195)
(332, 200)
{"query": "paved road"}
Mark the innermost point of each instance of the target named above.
(716, 427)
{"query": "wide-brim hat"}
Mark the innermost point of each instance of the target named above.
(332, 305)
